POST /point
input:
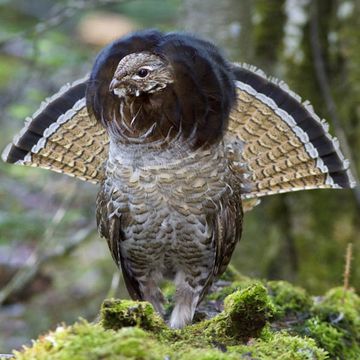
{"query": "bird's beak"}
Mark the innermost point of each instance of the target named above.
(117, 88)
(114, 84)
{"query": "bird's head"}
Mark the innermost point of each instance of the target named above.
(140, 73)
(155, 87)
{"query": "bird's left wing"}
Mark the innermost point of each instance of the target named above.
(283, 143)
(61, 136)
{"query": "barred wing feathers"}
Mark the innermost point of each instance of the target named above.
(61, 136)
(285, 145)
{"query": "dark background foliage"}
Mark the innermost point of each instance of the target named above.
(53, 266)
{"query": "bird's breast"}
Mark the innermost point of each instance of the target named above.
(172, 181)
(165, 203)
(164, 194)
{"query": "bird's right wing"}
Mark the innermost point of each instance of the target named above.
(285, 146)
(62, 137)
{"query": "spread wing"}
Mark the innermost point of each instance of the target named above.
(62, 137)
(285, 145)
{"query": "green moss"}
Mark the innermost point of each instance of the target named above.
(84, 341)
(225, 291)
(245, 315)
(230, 281)
(336, 325)
(288, 299)
(206, 354)
(327, 336)
(341, 308)
(281, 346)
(116, 314)
(245, 329)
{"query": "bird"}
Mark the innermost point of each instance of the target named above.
(181, 142)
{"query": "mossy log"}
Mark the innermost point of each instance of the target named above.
(241, 319)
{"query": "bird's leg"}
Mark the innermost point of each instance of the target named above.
(152, 293)
(186, 299)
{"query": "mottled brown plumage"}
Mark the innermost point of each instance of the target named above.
(170, 205)
(180, 141)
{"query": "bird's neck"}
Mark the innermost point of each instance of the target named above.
(139, 120)
(176, 151)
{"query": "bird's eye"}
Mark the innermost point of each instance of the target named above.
(142, 73)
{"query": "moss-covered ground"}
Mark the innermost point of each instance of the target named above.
(240, 319)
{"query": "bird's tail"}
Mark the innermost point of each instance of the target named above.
(286, 147)
(61, 136)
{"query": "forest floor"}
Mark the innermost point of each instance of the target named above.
(241, 318)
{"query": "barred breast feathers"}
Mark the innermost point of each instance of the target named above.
(174, 167)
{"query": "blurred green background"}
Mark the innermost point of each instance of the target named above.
(53, 265)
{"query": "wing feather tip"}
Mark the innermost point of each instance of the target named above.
(6, 152)
(352, 181)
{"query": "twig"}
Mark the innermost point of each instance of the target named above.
(324, 85)
(347, 269)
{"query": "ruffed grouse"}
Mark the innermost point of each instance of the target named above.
(180, 140)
